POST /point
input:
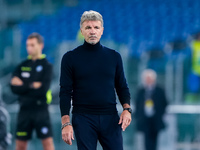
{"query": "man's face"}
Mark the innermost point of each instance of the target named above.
(33, 47)
(92, 31)
(149, 80)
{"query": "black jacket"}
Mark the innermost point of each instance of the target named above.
(31, 71)
(160, 102)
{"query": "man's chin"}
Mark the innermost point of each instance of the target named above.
(93, 42)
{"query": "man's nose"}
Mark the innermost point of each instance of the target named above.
(92, 31)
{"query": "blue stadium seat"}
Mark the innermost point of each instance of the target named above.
(148, 21)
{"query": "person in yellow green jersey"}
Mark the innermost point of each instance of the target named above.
(150, 104)
(31, 82)
(79, 37)
(194, 77)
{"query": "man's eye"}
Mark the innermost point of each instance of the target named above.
(96, 27)
(87, 27)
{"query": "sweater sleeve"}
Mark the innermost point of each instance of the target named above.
(120, 83)
(46, 81)
(19, 90)
(66, 84)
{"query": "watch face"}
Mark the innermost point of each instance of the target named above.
(129, 109)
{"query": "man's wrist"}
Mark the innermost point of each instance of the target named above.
(66, 124)
(128, 109)
(65, 118)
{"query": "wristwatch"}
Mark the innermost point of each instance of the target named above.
(129, 109)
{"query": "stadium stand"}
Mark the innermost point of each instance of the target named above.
(151, 23)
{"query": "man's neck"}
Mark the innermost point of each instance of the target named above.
(34, 58)
(150, 87)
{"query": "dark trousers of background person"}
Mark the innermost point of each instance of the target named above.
(89, 129)
(150, 136)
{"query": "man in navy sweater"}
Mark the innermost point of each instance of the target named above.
(90, 75)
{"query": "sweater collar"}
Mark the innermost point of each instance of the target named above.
(89, 46)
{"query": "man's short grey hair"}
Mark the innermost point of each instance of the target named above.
(149, 72)
(91, 16)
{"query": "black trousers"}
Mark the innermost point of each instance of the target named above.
(150, 137)
(151, 141)
(89, 129)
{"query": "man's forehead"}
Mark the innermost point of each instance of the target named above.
(33, 40)
(92, 23)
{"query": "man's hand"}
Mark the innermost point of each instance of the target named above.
(125, 118)
(67, 134)
(16, 81)
(36, 85)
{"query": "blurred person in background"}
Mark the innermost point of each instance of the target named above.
(193, 82)
(31, 81)
(90, 74)
(5, 136)
(150, 106)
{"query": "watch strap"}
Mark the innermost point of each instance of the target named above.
(129, 109)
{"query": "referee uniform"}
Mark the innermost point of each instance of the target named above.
(33, 112)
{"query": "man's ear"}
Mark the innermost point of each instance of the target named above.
(81, 31)
(42, 46)
(102, 30)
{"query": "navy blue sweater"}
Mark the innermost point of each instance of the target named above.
(90, 75)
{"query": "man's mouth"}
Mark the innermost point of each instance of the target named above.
(92, 37)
